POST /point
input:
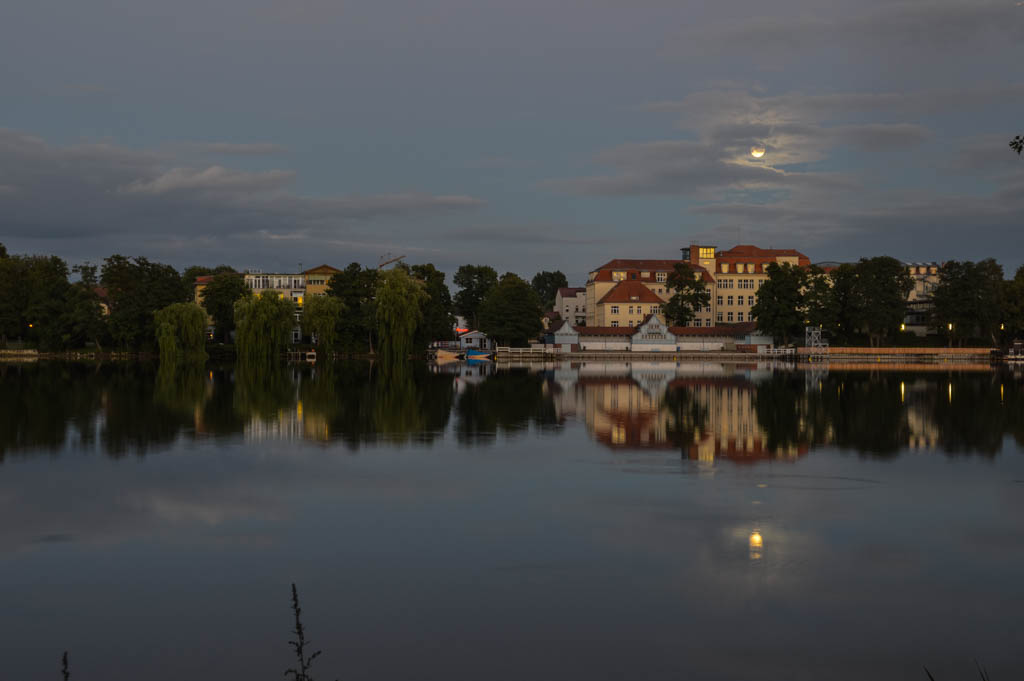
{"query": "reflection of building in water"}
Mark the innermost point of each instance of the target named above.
(924, 433)
(709, 414)
(292, 423)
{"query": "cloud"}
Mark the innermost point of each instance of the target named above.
(103, 190)
(896, 27)
(243, 149)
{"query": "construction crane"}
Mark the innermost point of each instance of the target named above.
(384, 262)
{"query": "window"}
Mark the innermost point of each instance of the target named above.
(740, 267)
(729, 301)
(661, 276)
(645, 275)
(696, 322)
(719, 317)
(720, 300)
(615, 323)
(655, 308)
(630, 309)
(707, 252)
(618, 276)
(739, 316)
(750, 301)
(632, 275)
(615, 309)
(728, 317)
(707, 308)
(725, 267)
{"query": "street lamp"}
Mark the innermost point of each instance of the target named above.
(950, 327)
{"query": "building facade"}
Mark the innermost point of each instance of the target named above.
(622, 292)
(318, 279)
(919, 300)
(290, 286)
(571, 305)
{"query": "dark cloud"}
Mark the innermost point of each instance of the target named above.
(896, 27)
(102, 191)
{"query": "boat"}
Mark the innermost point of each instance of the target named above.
(445, 356)
(476, 354)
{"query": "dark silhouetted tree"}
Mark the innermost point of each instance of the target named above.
(689, 294)
(779, 307)
(511, 312)
(219, 298)
(474, 282)
(546, 284)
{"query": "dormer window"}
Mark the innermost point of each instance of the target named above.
(725, 267)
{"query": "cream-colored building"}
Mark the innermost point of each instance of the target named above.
(318, 279)
(919, 300)
(291, 286)
(616, 295)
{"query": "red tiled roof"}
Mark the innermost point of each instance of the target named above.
(742, 328)
(760, 256)
(204, 278)
(630, 291)
(570, 291)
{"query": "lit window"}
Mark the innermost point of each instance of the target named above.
(618, 276)
(707, 252)
(725, 267)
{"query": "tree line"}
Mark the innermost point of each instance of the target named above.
(134, 304)
(867, 300)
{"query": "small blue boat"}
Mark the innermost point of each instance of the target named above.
(473, 353)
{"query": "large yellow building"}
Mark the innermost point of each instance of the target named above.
(616, 295)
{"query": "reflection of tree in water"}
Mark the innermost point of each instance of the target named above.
(42, 403)
(181, 386)
(133, 419)
(361, 402)
(506, 401)
(879, 413)
(687, 417)
(263, 391)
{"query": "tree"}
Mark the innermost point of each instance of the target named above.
(1013, 306)
(546, 284)
(819, 302)
(437, 319)
(884, 284)
(1017, 144)
(779, 306)
(137, 288)
(689, 295)
(3, 251)
(399, 300)
(264, 324)
(969, 296)
(474, 282)
(219, 298)
(511, 312)
(356, 287)
(189, 276)
(321, 319)
(181, 332)
(83, 317)
(44, 289)
(847, 302)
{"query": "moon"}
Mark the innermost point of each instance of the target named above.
(757, 151)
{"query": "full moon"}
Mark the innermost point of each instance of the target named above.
(757, 151)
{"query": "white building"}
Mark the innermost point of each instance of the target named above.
(571, 305)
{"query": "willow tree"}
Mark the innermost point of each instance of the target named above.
(321, 318)
(399, 311)
(263, 327)
(181, 332)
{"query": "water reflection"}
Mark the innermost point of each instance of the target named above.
(708, 412)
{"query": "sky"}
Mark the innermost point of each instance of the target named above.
(525, 135)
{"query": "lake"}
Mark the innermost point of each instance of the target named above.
(594, 521)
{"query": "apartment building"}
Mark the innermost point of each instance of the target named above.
(318, 279)
(919, 300)
(621, 292)
(571, 305)
(291, 286)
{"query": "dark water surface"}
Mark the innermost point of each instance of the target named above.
(652, 521)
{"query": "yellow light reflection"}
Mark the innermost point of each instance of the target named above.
(756, 545)
(903, 389)
(949, 391)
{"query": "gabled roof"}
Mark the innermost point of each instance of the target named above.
(473, 333)
(628, 264)
(750, 253)
(570, 291)
(323, 269)
(630, 291)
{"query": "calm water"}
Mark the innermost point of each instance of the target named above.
(650, 521)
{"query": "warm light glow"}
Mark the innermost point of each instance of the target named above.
(950, 326)
(756, 544)
(903, 327)
(902, 391)
(757, 151)
(30, 325)
(950, 392)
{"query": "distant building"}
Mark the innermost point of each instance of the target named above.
(622, 292)
(919, 300)
(475, 340)
(290, 286)
(571, 305)
(318, 279)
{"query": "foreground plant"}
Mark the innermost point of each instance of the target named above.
(300, 643)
